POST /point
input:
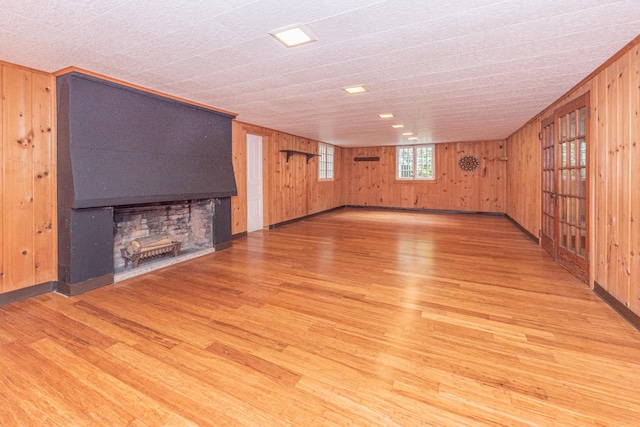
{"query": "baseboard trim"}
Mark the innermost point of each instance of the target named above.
(24, 293)
(619, 307)
(86, 286)
(421, 210)
(302, 218)
(223, 246)
(529, 234)
(239, 235)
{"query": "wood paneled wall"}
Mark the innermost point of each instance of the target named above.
(615, 97)
(374, 183)
(28, 239)
(291, 189)
(523, 177)
(614, 163)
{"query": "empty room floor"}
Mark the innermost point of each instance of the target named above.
(356, 317)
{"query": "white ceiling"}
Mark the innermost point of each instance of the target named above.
(450, 70)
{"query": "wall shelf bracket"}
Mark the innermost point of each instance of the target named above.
(293, 152)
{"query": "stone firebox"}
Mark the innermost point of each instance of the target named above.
(189, 222)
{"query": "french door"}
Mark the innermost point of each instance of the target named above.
(549, 191)
(565, 187)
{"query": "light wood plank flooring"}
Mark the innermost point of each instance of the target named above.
(356, 317)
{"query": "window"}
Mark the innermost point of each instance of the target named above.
(325, 165)
(416, 162)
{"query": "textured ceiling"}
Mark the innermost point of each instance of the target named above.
(449, 70)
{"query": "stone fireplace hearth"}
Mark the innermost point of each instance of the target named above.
(189, 222)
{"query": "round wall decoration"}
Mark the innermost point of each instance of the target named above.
(468, 163)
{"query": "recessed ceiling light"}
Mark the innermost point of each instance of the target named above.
(385, 116)
(354, 89)
(295, 36)
(407, 133)
(413, 138)
(397, 126)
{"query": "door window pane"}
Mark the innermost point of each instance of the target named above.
(582, 248)
(582, 213)
(583, 183)
(582, 123)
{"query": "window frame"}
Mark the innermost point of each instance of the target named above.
(326, 162)
(414, 159)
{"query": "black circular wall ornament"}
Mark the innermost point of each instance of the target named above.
(468, 163)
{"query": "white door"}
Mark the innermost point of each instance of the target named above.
(254, 183)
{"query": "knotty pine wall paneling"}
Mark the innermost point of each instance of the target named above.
(374, 183)
(614, 162)
(2, 182)
(615, 96)
(239, 159)
(291, 178)
(523, 177)
(28, 249)
(44, 180)
(634, 178)
(291, 189)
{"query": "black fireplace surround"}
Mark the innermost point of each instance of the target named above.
(120, 146)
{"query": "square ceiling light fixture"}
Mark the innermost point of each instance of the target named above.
(354, 89)
(293, 36)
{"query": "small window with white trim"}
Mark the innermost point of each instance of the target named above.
(416, 162)
(325, 164)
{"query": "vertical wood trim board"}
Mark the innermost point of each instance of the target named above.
(28, 249)
(44, 178)
(239, 159)
(3, 207)
(18, 171)
(634, 179)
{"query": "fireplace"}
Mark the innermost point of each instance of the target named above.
(122, 149)
(189, 222)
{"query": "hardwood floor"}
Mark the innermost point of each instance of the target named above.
(357, 317)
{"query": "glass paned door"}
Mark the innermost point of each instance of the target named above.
(571, 122)
(549, 192)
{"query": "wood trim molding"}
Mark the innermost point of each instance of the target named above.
(22, 67)
(223, 246)
(619, 307)
(239, 235)
(419, 210)
(602, 67)
(584, 81)
(526, 232)
(141, 88)
(86, 286)
(302, 218)
(24, 293)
